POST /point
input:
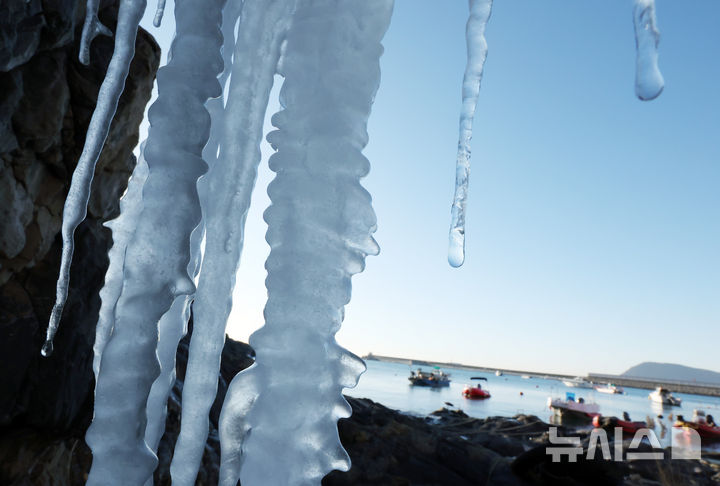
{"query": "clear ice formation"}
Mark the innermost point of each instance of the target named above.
(91, 29)
(320, 226)
(158, 254)
(278, 422)
(123, 228)
(476, 55)
(230, 180)
(75, 210)
(649, 81)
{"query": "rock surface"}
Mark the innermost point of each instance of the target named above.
(46, 100)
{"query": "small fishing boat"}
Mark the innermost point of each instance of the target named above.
(476, 392)
(573, 409)
(498, 373)
(433, 379)
(663, 396)
(577, 382)
(628, 426)
(610, 389)
(704, 425)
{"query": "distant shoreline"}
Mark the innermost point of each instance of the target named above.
(694, 388)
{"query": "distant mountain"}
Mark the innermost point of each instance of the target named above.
(669, 371)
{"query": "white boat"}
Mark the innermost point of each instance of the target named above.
(498, 373)
(663, 396)
(577, 382)
(525, 377)
(610, 389)
(573, 409)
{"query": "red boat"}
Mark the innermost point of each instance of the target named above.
(628, 426)
(475, 392)
(705, 426)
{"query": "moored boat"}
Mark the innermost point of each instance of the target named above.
(573, 409)
(577, 382)
(663, 396)
(610, 389)
(433, 379)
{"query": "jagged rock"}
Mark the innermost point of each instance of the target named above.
(46, 100)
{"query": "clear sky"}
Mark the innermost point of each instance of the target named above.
(592, 231)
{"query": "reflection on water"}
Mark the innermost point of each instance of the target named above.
(387, 384)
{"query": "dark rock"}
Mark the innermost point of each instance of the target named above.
(47, 99)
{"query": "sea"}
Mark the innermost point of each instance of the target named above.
(387, 383)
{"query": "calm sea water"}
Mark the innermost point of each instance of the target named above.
(387, 383)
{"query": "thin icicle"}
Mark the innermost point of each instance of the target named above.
(91, 29)
(649, 81)
(476, 55)
(320, 227)
(159, 11)
(157, 258)
(123, 227)
(75, 210)
(228, 187)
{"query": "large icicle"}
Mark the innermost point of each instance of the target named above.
(229, 185)
(123, 227)
(649, 81)
(159, 253)
(75, 209)
(476, 55)
(320, 230)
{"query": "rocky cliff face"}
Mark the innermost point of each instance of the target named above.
(46, 100)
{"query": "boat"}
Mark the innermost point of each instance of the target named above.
(498, 373)
(475, 392)
(663, 396)
(434, 379)
(628, 426)
(569, 408)
(610, 389)
(577, 382)
(704, 425)
(525, 377)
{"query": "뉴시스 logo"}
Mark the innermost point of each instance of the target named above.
(684, 445)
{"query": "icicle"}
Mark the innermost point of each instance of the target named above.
(476, 54)
(158, 255)
(91, 28)
(228, 186)
(320, 230)
(649, 81)
(123, 227)
(159, 13)
(75, 210)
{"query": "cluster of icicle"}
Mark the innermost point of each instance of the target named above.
(193, 182)
(648, 86)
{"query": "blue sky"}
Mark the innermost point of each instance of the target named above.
(592, 231)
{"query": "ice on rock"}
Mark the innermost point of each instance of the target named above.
(649, 81)
(75, 210)
(320, 226)
(158, 254)
(476, 55)
(91, 29)
(226, 191)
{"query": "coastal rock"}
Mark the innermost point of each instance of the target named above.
(46, 100)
